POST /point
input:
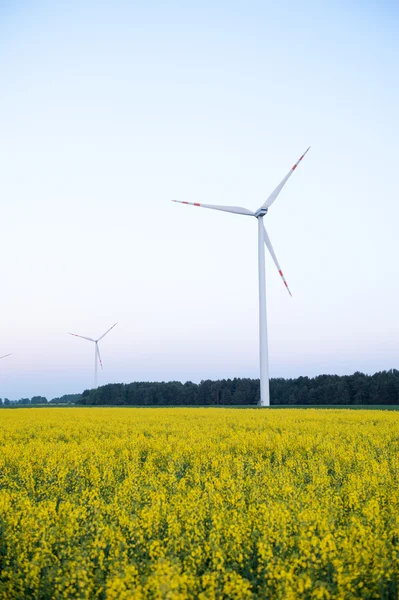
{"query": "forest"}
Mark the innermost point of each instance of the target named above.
(358, 389)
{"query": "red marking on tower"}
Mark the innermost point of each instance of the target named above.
(197, 204)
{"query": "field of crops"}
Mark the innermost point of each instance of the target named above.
(198, 503)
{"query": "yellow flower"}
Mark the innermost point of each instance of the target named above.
(198, 503)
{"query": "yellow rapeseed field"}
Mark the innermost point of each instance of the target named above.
(121, 503)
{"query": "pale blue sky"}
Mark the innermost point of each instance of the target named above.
(109, 110)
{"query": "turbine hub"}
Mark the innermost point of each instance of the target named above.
(261, 212)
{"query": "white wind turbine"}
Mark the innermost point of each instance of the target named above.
(97, 356)
(263, 238)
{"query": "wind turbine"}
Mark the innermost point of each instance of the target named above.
(263, 238)
(97, 356)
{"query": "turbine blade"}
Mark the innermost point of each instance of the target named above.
(82, 336)
(5, 356)
(99, 357)
(274, 257)
(278, 189)
(239, 210)
(108, 330)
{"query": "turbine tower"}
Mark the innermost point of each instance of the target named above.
(263, 239)
(97, 356)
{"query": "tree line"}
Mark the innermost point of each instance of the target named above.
(40, 400)
(358, 389)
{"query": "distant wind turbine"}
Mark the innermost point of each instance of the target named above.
(97, 356)
(263, 238)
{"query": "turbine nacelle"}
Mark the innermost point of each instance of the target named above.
(261, 212)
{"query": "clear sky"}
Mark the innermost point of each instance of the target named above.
(108, 110)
